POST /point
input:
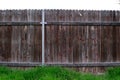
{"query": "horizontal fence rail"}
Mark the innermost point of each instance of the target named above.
(86, 64)
(64, 23)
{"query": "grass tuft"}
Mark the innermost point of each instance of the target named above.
(55, 73)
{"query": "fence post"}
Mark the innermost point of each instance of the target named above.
(43, 36)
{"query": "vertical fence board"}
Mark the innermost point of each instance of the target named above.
(5, 37)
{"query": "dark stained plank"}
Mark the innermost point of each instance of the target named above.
(5, 37)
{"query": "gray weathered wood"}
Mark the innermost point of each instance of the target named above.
(86, 64)
(64, 23)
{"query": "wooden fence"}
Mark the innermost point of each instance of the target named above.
(71, 37)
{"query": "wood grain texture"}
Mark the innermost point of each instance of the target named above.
(68, 44)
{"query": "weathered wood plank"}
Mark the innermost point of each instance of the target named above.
(86, 64)
(63, 23)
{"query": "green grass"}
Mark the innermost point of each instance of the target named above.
(55, 73)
